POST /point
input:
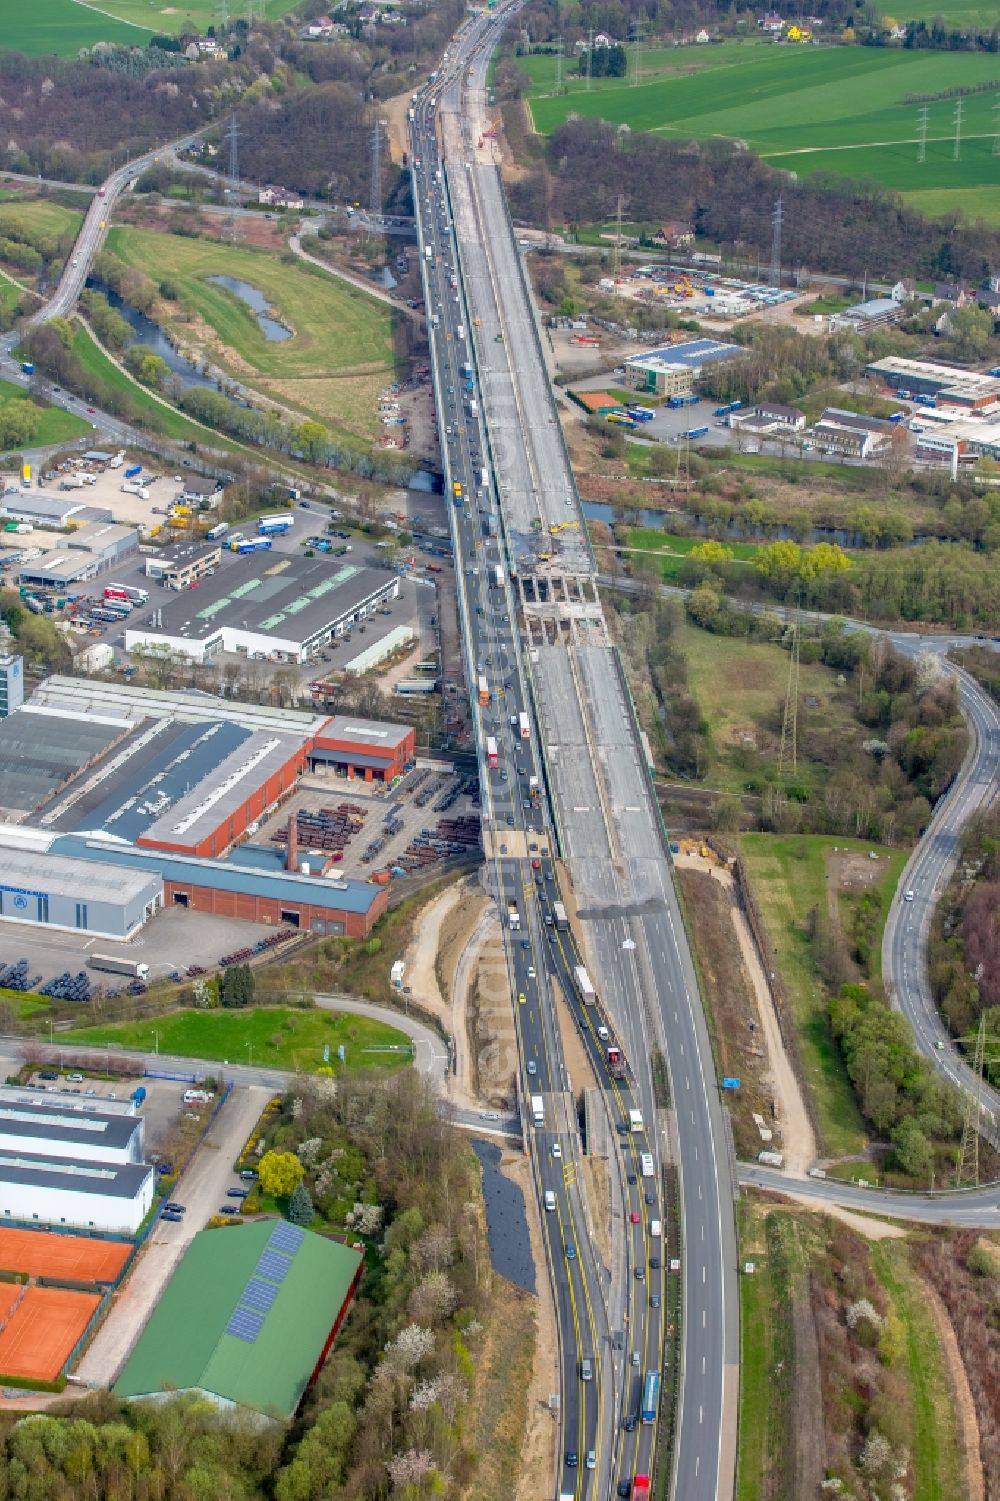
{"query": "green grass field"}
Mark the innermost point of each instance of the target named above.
(789, 879)
(806, 109)
(275, 1037)
(66, 26)
(56, 426)
(341, 352)
(173, 423)
(670, 552)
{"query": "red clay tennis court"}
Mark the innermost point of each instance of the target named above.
(40, 1329)
(72, 1258)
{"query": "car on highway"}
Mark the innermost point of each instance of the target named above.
(654, 1300)
(570, 1251)
(536, 864)
(629, 1423)
(654, 1262)
(635, 1217)
(640, 1274)
(521, 998)
(531, 971)
(909, 896)
(591, 1460)
(572, 1459)
(632, 1179)
(624, 1489)
(649, 1198)
(556, 1149)
(532, 1067)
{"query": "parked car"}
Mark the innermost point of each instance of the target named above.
(174, 1219)
(174, 1208)
(230, 1209)
(237, 1193)
(48, 1073)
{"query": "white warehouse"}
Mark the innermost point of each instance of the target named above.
(64, 1161)
(67, 1191)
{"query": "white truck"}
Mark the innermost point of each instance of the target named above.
(71, 482)
(133, 487)
(114, 966)
(635, 1119)
(584, 985)
(118, 460)
(646, 1165)
(538, 1110)
(513, 916)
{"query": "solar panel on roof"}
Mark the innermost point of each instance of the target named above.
(259, 1294)
(245, 1324)
(273, 1266)
(286, 1238)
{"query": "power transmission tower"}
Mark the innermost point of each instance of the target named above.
(233, 135)
(776, 222)
(790, 721)
(590, 56)
(968, 1162)
(376, 191)
(922, 134)
(638, 38)
(958, 130)
(617, 260)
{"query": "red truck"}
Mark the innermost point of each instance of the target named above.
(640, 1488)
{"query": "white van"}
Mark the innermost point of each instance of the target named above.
(655, 1228)
(550, 1200)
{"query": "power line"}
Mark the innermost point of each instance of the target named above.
(996, 138)
(559, 61)
(958, 130)
(777, 219)
(968, 1161)
(233, 134)
(922, 133)
(790, 719)
(376, 186)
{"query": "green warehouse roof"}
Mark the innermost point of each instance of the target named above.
(245, 1317)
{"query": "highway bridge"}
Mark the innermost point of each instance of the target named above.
(534, 631)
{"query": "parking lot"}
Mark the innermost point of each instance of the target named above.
(161, 1109)
(170, 943)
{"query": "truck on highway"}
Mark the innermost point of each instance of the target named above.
(616, 1061)
(584, 985)
(513, 916)
(484, 691)
(524, 726)
(635, 1120)
(559, 918)
(640, 1488)
(650, 1397)
(135, 968)
(428, 252)
(498, 577)
(492, 754)
(484, 478)
(646, 1165)
(538, 1110)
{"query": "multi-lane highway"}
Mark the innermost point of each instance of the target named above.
(534, 631)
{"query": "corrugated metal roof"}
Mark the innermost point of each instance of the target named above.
(54, 1121)
(374, 733)
(354, 896)
(113, 1180)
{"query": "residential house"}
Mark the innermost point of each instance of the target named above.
(280, 198)
(772, 24)
(675, 234)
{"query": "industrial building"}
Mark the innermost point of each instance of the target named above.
(850, 434)
(246, 1320)
(42, 749)
(53, 1125)
(878, 312)
(185, 565)
(65, 1190)
(92, 550)
(949, 386)
(66, 1161)
(155, 788)
(50, 510)
(674, 370)
(378, 651)
(364, 747)
(314, 904)
(53, 891)
(284, 610)
(770, 417)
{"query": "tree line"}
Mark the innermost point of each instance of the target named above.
(831, 224)
(964, 951)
